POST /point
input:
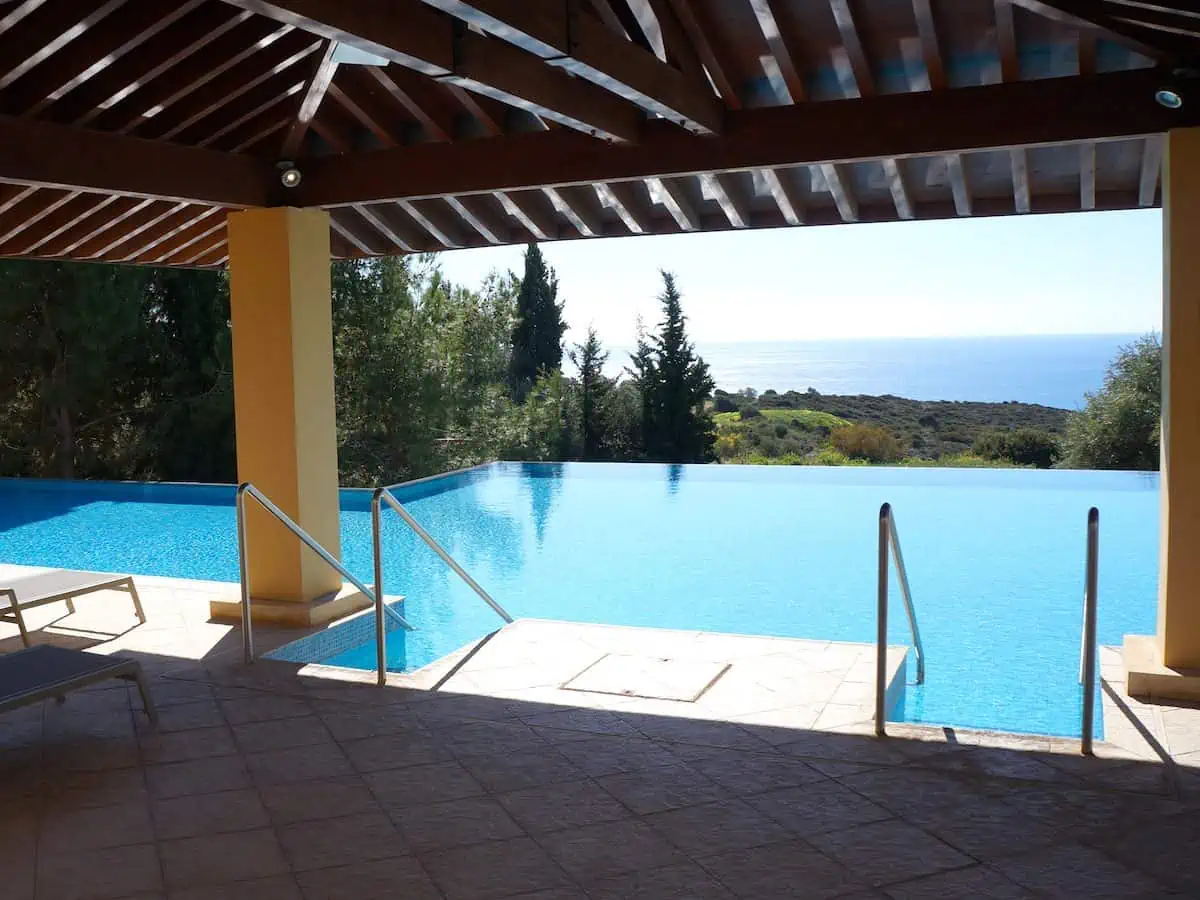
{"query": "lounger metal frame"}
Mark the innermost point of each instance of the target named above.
(115, 583)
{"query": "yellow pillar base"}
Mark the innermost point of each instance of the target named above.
(291, 613)
(1147, 676)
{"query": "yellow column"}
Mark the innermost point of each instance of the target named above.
(1179, 563)
(284, 407)
(1165, 666)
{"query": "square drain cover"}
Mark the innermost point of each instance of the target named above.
(653, 678)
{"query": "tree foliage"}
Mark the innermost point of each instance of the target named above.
(538, 330)
(1119, 428)
(1021, 447)
(676, 387)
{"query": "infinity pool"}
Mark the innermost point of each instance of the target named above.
(995, 558)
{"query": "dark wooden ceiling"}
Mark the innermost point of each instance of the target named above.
(129, 127)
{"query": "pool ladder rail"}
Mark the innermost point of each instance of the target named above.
(383, 612)
(889, 549)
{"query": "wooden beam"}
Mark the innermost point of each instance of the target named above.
(1087, 175)
(393, 80)
(899, 187)
(492, 123)
(787, 197)
(621, 11)
(134, 71)
(631, 203)
(711, 58)
(341, 222)
(46, 155)
(956, 173)
(781, 46)
(1116, 105)
(840, 188)
(94, 52)
(1006, 41)
(1164, 47)
(852, 44)
(426, 215)
(318, 84)
(386, 226)
(680, 51)
(930, 45)
(412, 34)
(1022, 201)
(566, 37)
(473, 211)
(678, 203)
(730, 198)
(1152, 157)
(365, 112)
(533, 211)
(1086, 52)
(581, 206)
(49, 35)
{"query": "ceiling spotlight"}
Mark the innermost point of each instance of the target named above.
(289, 175)
(1168, 97)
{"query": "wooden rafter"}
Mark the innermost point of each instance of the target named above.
(679, 50)
(573, 211)
(471, 210)
(631, 203)
(787, 197)
(730, 198)
(178, 82)
(426, 214)
(187, 116)
(134, 71)
(363, 110)
(700, 37)
(186, 229)
(412, 34)
(532, 210)
(838, 182)
(935, 69)
(1010, 71)
(1087, 175)
(57, 27)
(678, 203)
(314, 93)
(491, 122)
(98, 49)
(388, 227)
(1163, 46)
(157, 218)
(852, 44)
(55, 221)
(251, 106)
(998, 116)
(87, 227)
(1152, 157)
(785, 51)
(898, 185)
(437, 127)
(346, 224)
(568, 39)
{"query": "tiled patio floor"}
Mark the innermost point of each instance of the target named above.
(262, 783)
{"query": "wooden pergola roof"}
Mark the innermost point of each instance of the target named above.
(128, 127)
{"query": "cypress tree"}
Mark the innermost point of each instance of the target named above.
(679, 428)
(537, 335)
(590, 358)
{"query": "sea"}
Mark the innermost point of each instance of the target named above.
(1053, 370)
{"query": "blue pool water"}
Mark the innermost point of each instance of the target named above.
(995, 558)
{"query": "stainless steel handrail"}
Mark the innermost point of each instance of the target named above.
(889, 546)
(247, 489)
(377, 500)
(1087, 650)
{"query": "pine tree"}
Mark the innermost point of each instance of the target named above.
(595, 388)
(643, 373)
(678, 428)
(537, 335)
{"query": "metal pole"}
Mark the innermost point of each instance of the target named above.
(244, 575)
(380, 624)
(1089, 631)
(885, 513)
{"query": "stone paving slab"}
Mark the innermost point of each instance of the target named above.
(273, 782)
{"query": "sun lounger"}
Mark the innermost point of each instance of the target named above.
(36, 673)
(38, 589)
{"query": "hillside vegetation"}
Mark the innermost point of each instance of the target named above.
(829, 429)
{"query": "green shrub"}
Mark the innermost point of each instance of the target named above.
(749, 412)
(1021, 446)
(868, 442)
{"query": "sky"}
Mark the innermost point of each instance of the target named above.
(1083, 273)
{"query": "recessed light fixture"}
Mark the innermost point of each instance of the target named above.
(1168, 97)
(289, 175)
